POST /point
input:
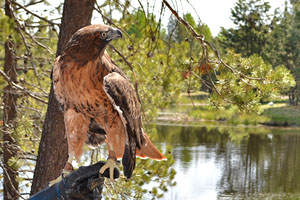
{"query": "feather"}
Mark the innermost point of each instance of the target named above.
(150, 151)
(123, 96)
(93, 90)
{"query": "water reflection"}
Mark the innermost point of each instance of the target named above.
(226, 163)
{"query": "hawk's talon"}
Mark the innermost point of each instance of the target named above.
(111, 164)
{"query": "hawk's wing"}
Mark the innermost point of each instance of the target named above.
(121, 93)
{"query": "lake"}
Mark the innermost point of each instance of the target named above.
(227, 162)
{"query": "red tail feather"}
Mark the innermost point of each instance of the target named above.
(149, 151)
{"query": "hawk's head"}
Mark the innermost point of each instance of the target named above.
(100, 33)
(92, 40)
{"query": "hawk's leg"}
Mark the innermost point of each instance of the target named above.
(68, 166)
(111, 164)
(77, 126)
(115, 140)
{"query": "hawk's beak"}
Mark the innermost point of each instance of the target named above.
(114, 33)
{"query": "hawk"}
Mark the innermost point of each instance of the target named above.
(99, 102)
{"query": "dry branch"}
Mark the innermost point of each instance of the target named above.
(24, 90)
(36, 15)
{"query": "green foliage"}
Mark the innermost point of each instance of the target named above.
(155, 72)
(283, 116)
(247, 93)
(6, 24)
(34, 63)
(253, 22)
(274, 37)
(205, 30)
(228, 114)
(179, 33)
(151, 179)
(283, 47)
(140, 23)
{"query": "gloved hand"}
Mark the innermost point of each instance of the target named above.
(84, 183)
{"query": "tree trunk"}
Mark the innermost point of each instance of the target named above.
(294, 95)
(52, 153)
(10, 183)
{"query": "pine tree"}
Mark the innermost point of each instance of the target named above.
(252, 20)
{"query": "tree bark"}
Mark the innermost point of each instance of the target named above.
(52, 153)
(294, 95)
(10, 183)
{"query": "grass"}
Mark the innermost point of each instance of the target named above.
(196, 97)
(283, 116)
(278, 114)
(230, 115)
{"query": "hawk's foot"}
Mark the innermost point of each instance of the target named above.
(110, 164)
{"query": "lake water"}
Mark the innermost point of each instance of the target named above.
(219, 162)
(227, 162)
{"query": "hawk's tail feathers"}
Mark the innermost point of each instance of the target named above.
(148, 150)
(128, 161)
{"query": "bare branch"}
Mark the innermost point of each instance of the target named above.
(4, 169)
(33, 3)
(24, 90)
(110, 21)
(36, 15)
(198, 36)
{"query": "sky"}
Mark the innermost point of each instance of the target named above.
(216, 13)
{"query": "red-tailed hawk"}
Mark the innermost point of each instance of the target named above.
(96, 95)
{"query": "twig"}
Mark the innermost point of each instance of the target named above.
(33, 3)
(11, 83)
(4, 169)
(111, 22)
(198, 36)
(42, 18)
(20, 28)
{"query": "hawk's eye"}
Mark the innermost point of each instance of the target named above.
(103, 35)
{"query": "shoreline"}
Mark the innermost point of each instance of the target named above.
(181, 119)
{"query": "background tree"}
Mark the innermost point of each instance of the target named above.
(275, 38)
(10, 183)
(253, 23)
(22, 91)
(178, 31)
(283, 46)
